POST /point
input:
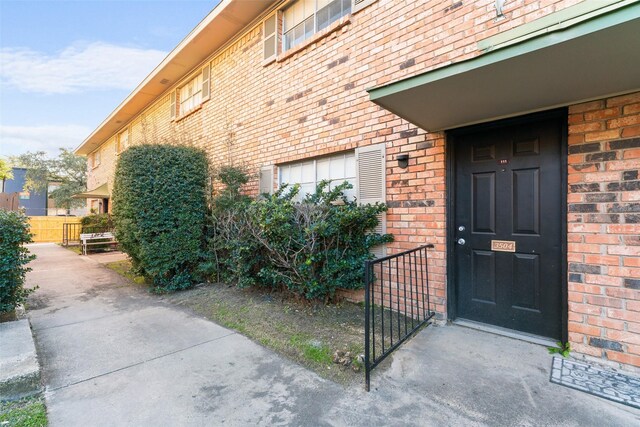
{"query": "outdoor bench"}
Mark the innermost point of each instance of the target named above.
(88, 239)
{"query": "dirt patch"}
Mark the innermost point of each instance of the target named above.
(317, 336)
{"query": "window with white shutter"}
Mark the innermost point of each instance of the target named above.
(123, 141)
(270, 37)
(371, 169)
(192, 94)
(266, 180)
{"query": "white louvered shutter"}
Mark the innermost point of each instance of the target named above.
(266, 180)
(172, 105)
(269, 41)
(371, 174)
(206, 82)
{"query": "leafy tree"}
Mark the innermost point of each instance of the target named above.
(68, 170)
(5, 173)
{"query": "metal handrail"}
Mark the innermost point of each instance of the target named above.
(403, 295)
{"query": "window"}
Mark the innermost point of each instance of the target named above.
(308, 174)
(192, 94)
(123, 141)
(96, 159)
(306, 17)
(365, 169)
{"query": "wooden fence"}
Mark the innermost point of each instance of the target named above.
(9, 201)
(49, 228)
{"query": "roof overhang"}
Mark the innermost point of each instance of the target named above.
(101, 192)
(593, 55)
(226, 20)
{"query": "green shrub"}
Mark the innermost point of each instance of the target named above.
(159, 209)
(14, 233)
(309, 248)
(96, 223)
(233, 255)
(318, 245)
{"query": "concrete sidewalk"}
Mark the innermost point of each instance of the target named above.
(19, 369)
(114, 355)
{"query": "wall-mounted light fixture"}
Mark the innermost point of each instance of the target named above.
(403, 160)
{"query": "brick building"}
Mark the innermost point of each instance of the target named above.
(520, 122)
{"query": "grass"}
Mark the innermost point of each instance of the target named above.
(123, 268)
(73, 248)
(29, 412)
(307, 333)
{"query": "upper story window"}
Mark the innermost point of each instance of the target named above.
(306, 17)
(96, 158)
(192, 94)
(123, 141)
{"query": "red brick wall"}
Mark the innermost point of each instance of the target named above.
(604, 228)
(313, 101)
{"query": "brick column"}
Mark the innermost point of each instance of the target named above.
(604, 228)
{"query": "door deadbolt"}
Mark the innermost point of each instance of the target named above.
(461, 228)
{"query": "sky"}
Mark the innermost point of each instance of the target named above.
(65, 65)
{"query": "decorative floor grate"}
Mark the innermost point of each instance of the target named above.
(610, 385)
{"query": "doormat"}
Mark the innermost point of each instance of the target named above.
(609, 385)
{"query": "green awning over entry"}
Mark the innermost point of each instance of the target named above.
(101, 192)
(591, 55)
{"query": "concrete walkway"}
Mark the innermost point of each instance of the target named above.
(114, 355)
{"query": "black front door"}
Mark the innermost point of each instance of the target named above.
(507, 225)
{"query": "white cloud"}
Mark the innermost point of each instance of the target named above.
(15, 140)
(81, 67)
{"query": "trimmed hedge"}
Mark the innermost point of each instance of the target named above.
(159, 209)
(14, 233)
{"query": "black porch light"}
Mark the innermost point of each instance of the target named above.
(403, 160)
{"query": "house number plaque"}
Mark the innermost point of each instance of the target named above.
(503, 246)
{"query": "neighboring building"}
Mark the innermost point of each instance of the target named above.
(521, 127)
(35, 204)
(53, 210)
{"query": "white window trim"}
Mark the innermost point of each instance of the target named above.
(281, 32)
(315, 161)
(176, 101)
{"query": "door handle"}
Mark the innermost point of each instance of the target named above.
(461, 241)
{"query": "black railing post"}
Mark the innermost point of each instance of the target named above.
(418, 281)
(367, 370)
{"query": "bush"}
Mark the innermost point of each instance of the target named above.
(309, 248)
(159, 207)
(14, 233)
(233, 255)
(96, 223)
(316, 246)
